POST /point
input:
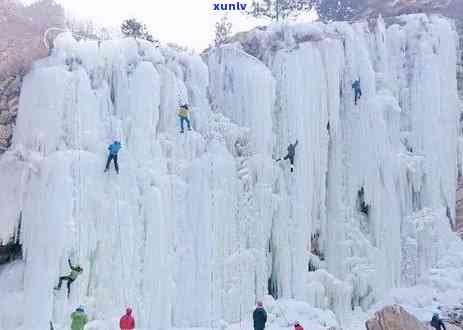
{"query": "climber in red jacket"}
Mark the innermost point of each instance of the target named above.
(297, 326)
(127, 321)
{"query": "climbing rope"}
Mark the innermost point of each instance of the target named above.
(79, 174)
(212, 247)
(241, 295)
(240, 279)
(79, 237)
(244, 165)
(124, 291)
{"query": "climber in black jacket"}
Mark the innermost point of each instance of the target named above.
(291, 154)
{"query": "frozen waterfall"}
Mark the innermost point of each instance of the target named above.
(197, 226)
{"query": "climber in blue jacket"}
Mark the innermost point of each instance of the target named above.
(113, 151)
(357, 90)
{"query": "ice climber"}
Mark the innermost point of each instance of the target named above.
(183, 113)
(127, 321)
(437, 323)
(298, 326)
(259, 316)
(291, 154)
(113, 151)
(79, 319)
(357, 90)
(75, 272)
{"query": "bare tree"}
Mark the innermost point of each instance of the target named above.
(223, 30)
(136, 29)
(328, 10)
(336, 10)
(280, 9)
(22, 31)
(82, 29)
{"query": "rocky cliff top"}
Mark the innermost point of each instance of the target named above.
(451, 8)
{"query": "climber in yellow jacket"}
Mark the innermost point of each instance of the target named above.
(184, 112)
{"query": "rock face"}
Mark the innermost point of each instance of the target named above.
(452, 327)
(459, 209)
(9, 103)
(402, 7)
(22, 31)
(394, 318)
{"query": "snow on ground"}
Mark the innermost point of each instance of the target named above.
(199, 226)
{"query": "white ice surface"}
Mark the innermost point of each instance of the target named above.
(195, 225)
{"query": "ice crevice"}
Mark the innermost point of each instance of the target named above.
(199, 225)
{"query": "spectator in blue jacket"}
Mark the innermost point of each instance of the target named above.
(113, 151)
(357, 90)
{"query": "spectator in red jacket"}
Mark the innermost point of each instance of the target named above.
(127, 321)
(298, 326)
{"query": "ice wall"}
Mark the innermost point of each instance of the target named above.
(197, 226)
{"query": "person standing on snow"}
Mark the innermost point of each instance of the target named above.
(127, 321)
(79, 319)
(75, 271)
(357, 90)
(298, 326)
(183, 113)
(113, 151)
(437, 323)
(291, 154)
(259, 316)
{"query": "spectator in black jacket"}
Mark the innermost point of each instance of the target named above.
(437, 322)
(259, 316)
